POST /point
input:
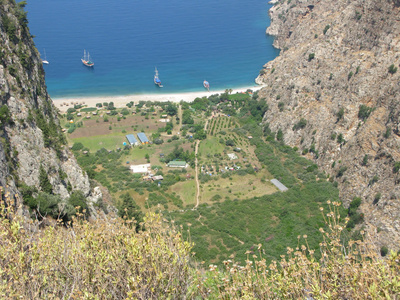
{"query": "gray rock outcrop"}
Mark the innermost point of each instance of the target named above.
(337, 70)
(30, 135)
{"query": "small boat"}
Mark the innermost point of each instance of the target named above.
(206, 85)
(45, 61)
(157, 80)
(86, 59)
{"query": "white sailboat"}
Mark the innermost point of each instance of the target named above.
(86, 59)
(45, 61)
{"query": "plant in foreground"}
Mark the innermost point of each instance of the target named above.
(352, 270)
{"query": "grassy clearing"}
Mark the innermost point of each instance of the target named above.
(210, 146)
(186, 190)
(110, 141)
(237, 187)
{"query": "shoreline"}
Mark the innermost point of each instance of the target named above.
(121, 100)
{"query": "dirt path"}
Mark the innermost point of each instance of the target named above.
(196, 166)
(197, 173)
(177, 127)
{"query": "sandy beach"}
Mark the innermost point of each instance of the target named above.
(121, 101)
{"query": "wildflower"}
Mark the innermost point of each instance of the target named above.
(329, 201)
(305, 236)
(321, 230)
(321, 208)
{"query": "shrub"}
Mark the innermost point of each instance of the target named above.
(311, 56)
(364, 112)
(326, 28)
(300, 125)
(384, 251)
(392, 69)
(340, 139)
(279, 135)
(387, 132)
(377, 198)
(77, 146)
(396, 167)
(341, 171)
(349, 75)
(365, 160)
(340, 113)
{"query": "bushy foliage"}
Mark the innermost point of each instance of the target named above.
(392, 69)
(99, 260)
(364, 112)
(129, 210)
(352, 270)
(300, 124)
(5, 116)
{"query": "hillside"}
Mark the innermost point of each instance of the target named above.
(33, 153)
(333, 92)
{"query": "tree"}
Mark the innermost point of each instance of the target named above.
(44, 181)
(364, 112)
(200, 135)
(279, 135)
(130, 210)
(78, 199)
(230, 143)
(171, 109)
(340, 114)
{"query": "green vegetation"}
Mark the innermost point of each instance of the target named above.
(129, 210)
(349, 75)
(354, 216)
(223, 124)
(311, 56)
(396, 167)
(326, 28)
(364, 112)
(392, 69)
(340, 114)
(116, 262)
(300, 125)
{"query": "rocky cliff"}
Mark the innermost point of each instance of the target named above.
(334, 93)
(30, 136)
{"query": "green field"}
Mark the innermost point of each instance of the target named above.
(110, 141)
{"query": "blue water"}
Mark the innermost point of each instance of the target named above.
(223, 42)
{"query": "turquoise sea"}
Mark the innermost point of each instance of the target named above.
(223, 42)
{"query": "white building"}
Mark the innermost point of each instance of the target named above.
(143, 169)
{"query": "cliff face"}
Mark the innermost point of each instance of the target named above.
(30, 135)
(338, 72)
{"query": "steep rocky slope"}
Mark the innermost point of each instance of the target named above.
(30, 136)
(334, 93)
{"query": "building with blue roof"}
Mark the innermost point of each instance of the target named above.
(132, 140)
(143, 138)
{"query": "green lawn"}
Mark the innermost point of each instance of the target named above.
(110, 141)
(210, 146)
(186, 190)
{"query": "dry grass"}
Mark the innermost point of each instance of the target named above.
(100, 260)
